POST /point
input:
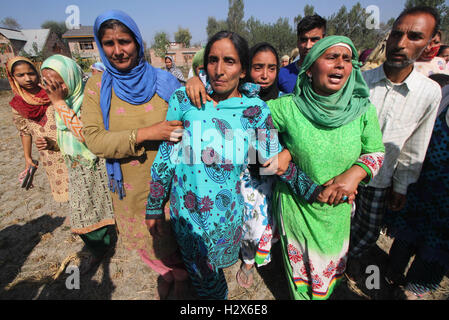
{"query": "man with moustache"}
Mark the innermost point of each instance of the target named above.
(407, 104)
(310, 30)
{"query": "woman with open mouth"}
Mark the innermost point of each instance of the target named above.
(331, 129)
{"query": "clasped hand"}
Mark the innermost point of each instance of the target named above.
(342, 188)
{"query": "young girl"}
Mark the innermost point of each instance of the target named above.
(259, 229)
(90, 201)
(34, 118)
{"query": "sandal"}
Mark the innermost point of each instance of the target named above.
(245, 277)
(27, 182)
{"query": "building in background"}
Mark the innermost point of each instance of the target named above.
(82, 43)
(182, 56)
(44, 41)
(37, 44)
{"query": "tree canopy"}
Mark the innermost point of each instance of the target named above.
(57, 27)
(351, 22)
(161, 44)
(10, 23)
(183, 36)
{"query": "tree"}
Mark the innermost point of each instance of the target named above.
(161, 44)
(214, 26)
(234, 22)
(235, 16)
(183, 36)
(309, 10)
(280, 34)
(10, 23)
(57, 27)
(337, 22)
(35, 56)
(352, 24)
(437, 4)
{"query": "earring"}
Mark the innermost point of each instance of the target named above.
(309, 75)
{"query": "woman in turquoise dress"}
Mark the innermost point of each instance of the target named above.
(201, 175)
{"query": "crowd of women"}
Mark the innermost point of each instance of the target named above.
(195, 177)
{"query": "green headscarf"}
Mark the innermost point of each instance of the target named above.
(340, 108)
(71, 73)
(198, 60)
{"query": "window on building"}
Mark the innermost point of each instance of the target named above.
(86, 45)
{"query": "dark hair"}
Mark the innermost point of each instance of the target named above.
(311, 22)
(423, 9)
(113, 23)
(240, 44)
(442, 48)
(273, 91)
(261, 47)
(20, 62)
(440, 78)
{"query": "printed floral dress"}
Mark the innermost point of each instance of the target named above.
(201, 177)
(315, 236)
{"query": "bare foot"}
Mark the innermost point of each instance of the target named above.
(245, 275)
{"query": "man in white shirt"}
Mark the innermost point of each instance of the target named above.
(407, 104)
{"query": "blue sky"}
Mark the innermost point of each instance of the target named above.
(152, 16)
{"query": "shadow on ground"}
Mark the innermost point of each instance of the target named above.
(44, 285)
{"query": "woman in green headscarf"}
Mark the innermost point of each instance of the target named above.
(90, 200)
(331, 130)
(198, 62)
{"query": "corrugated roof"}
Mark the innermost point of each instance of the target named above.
(83, 31)
(38, 36)
(12, 34)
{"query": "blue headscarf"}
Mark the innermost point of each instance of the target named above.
(136, 86)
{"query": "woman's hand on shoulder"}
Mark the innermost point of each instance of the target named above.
(197, 92)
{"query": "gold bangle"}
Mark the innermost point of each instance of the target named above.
(133, 139)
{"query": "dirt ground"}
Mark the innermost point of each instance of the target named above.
(36, 245)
